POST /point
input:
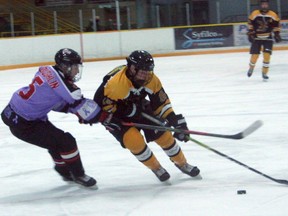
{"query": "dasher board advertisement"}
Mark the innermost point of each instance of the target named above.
(203, 37)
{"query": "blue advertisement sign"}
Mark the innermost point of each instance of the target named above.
(203, 37)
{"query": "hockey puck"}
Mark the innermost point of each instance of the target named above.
(241, 192)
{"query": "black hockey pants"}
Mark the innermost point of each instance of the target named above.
(61, 146)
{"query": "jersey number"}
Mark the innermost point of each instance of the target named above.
(36, 81)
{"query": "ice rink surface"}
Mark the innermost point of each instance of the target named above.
(215, 95)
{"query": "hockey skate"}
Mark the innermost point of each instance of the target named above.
(161, 174)
(67, 178)
(190, 170)
(250, 72)
(85, 180)
(64, 173)
(265, 77)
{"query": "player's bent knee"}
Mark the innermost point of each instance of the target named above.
(68, 142)
(134, 141)
(166, 140)
(69, 138)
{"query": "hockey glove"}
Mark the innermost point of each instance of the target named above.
(277, 37)
(110, 123)
(106, 119)
(101, 117)
(146, 106)
(82, 121)
(251, 36)
(178, 122)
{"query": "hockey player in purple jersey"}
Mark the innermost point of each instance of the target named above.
(53, 88)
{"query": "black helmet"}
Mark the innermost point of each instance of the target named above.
(68, 57)
(141, 59)
(65, 59)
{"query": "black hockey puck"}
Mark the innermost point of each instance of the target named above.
(241, 192)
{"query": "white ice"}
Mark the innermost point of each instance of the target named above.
(215, 95)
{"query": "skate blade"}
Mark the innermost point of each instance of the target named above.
(198, 177)
(72, 183)
(167, 182)
(94, 187)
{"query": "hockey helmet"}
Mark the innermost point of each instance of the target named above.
(142, 71)
(70, 63)
(141, 59)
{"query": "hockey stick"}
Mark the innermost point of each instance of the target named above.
(259, 39)
(280, 181)
(240, 135)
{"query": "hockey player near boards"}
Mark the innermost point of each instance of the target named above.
(262, 23)
(123, 93)
(53, 88)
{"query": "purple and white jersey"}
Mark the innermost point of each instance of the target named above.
(50, 91)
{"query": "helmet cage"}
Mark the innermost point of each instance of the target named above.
(67, 71)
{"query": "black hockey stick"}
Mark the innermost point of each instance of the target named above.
(280, 181)
(240, 135)
(283, 39)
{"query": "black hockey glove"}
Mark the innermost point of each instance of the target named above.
(146, 106)
(277, 37)
(82, 121)
(251, 36)
(178, 122)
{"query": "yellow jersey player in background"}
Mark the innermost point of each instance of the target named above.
(262, 23)
(123, 94)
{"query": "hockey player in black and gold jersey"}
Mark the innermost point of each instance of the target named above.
(124, 93)
(262, 23)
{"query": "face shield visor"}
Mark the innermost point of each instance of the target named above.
(76, 72)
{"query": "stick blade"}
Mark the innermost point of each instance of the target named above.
(253, 127)
(281, 181)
